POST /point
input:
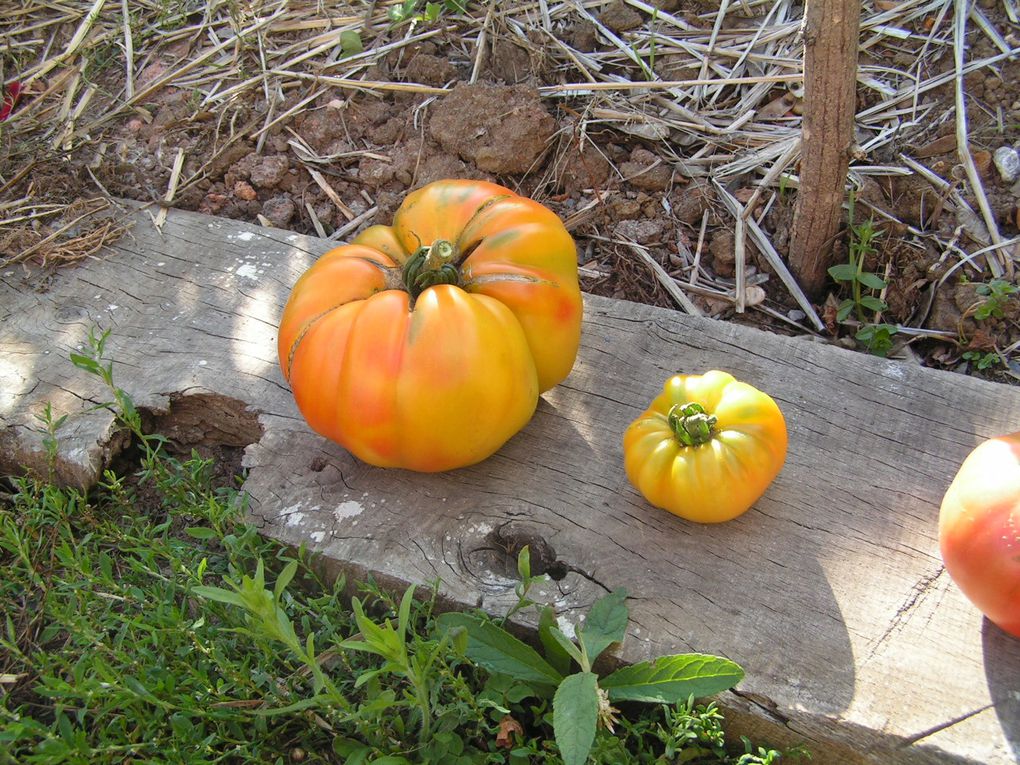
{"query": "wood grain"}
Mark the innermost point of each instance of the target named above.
(830, 591)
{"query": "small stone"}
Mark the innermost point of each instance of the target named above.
(270, 171)
(1007, 162)
(754, 295)
(642, 231)
(243, 190)
(279, 210)
(620, 17)
(646, 171)
(722, 247)
(982, 161)
(622, 208)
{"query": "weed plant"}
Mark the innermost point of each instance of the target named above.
(147, 621)
(864, 286)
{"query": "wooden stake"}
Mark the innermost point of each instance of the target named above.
(830, 79)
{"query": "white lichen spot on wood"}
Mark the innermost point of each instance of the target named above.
(348, 509)
(567, 628)
(248, 271)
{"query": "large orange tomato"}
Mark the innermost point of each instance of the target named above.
(425, 344)
(979, 530)
(707, 447)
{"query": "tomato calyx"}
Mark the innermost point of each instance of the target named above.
(431, 265)
(691, 424)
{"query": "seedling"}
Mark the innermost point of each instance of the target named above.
(982, 361)
(582, 700)
(995, 294)
(863, 284)
(408, 10)
(876, 338)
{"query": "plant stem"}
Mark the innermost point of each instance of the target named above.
(691, 424)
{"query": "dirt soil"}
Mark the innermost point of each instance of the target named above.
(335, 159)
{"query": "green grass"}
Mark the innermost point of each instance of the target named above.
(146, 621)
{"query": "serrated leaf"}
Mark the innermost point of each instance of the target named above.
(606, 624)
(874, 281)
(496, 650)
(575, 717)
(672, 679)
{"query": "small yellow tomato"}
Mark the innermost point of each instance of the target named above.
(707, 447)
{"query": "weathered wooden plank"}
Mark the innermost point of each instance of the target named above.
(830, 592)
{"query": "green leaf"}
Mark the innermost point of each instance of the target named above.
(843, 272)
(575, 717)
(200, 532)
(874, 281)
(872, 303)
(606, 624)
(567, 645)
(524, 563)
(844, 310)
(556, 654)
(354, 752)
(496, 650)
(87, 363)
(297, 706)
(284, 579)
(218, 594)
(136, 687)
(404, 612)
(672, 679)
(350, 42)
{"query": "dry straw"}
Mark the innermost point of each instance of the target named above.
(715, 94)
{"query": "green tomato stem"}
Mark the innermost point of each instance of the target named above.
(431, 265)
(691, 424)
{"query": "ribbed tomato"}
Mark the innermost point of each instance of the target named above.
(425, 344)
(979, 530)
(707, 447)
